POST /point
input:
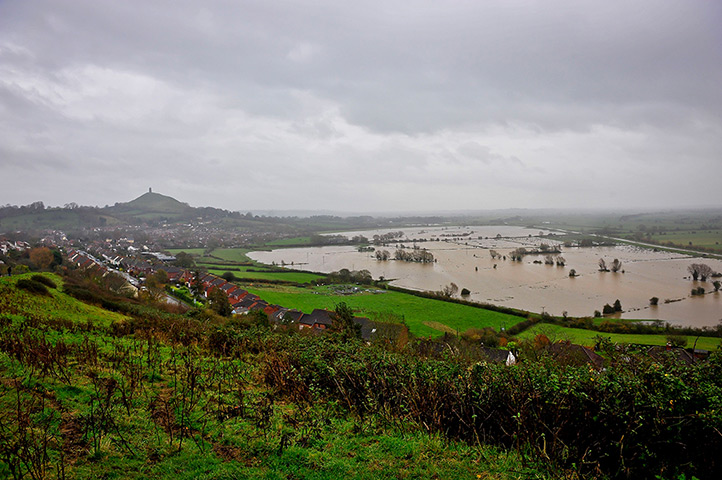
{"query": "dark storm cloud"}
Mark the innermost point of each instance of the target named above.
(482, 103)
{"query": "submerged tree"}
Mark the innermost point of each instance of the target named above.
(518, 254)
(449, 290)
(616, 265)
(603, 265)
(700, 271)
(382, 255)
(419, 255)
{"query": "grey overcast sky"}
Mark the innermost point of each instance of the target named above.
(362, 106)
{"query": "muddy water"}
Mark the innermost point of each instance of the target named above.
(463, 257)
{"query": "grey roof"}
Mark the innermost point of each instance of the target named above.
(495, 355)
(680, 354)
(575, 354)
(318, 317)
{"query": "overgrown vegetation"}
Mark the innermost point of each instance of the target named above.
(160, 394)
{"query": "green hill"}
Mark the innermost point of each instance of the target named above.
(151, 206)
(156, 203)
(20, 305)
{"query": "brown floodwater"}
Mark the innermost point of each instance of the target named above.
(462, 257)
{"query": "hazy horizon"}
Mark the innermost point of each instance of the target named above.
(357, 108)
(458, 213)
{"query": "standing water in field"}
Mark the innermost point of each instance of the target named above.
(463, 256)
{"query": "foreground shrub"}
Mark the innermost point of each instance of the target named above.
(32, 286)
(637, 419)
(44, 280)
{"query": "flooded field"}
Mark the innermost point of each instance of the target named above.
(463, 257)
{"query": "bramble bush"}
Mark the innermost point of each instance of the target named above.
(637, 418)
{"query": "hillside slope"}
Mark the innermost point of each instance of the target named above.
(89, 393)
(151, 202)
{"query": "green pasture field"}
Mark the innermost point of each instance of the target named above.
(290, 276)
(232, 254)
(420, 314)
(699, 238)
(198, 252)
(629, 223)
(57, 306)
(587, 337)
(290, 241)
(237, 255)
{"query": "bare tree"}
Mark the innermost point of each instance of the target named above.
(494, 254)
(705, 271)
(518, 254)
(450, 290)
(603, 265)
(616, 265)
(700, 271)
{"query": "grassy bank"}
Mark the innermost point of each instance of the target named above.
(56, 307)
(255, 274)
(588, 337)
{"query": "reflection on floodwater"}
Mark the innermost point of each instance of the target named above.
(463, 257)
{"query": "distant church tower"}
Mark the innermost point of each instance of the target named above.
(150, 190)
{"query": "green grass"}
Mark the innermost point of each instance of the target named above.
(283, 242)
(235, 257)
(191, 251)
(298, 277)
(711, 239)
(587, 337)
(418, 313)
(232, 254)
(57, 306)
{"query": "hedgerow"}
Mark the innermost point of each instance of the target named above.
(634, 419)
